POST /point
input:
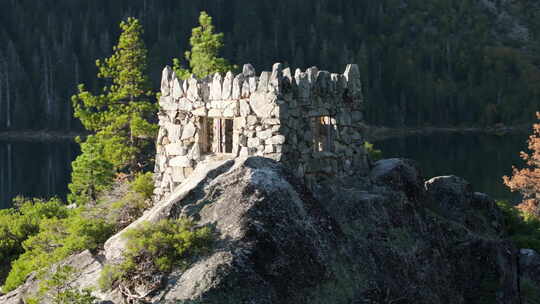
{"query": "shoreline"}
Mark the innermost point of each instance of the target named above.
(371, 133)
(378, 133)
(38, 136)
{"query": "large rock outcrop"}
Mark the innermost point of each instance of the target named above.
(529, 266)
(379, 238)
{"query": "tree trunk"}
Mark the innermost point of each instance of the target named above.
(9, 170)
(8, 95)
(2, 100)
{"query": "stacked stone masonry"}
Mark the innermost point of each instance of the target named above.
(309, 121)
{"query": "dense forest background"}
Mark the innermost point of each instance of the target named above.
(436, 62)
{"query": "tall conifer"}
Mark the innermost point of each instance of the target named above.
(203, 58)
(120, 117)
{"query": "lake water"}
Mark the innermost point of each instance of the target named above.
(35, 169)
(43, 169)
(481, 159)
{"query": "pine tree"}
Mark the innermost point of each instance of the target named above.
(120, 118)
(92, 173)
(122, 115)
(205, 46)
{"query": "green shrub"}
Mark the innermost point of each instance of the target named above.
(132, 205)
(21, 222)
(110, 274)
(523, 229)
(373, 153)
(128, 209)
(144, 184)
(57, 239)
(157, 247)
(59, 290)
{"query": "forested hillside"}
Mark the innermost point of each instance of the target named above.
(437, 62)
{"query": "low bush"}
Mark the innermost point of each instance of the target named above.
(374, 154)
(58, 288)
(36, 233)
(522, 228)
(143, 184)
(57, 239)
(21, 222)
(157, 248)
(128, 209)
(133, 204)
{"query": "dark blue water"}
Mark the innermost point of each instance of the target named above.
(35, 169)
(43, 169)
(479, 158)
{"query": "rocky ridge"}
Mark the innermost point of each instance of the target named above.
(385, 237)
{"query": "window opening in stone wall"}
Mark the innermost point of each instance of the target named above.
(206, 138)
(324, 134)
(216, 135)
(228, 135)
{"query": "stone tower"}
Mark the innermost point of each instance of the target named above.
(309, 121)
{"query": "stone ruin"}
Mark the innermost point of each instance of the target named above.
(309, 121)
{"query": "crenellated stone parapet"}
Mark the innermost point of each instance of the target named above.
(309, 120)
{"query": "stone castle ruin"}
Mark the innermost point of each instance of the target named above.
(309, 121)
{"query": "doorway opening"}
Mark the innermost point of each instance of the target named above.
(216, 135)
(324, 134)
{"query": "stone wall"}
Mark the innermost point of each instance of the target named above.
(309, 121)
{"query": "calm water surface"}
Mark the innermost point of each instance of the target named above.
(34, 169)
(479, 158)
(43, 169)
